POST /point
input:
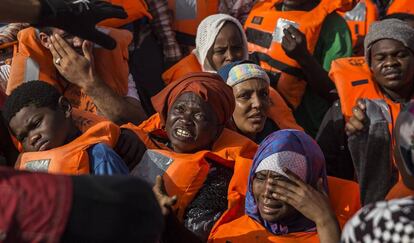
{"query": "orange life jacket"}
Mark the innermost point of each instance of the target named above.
(353, 81)
(188, 64)
(34, 62)
(71, 158)
(366, 12)
(264, 30)
(187, 15)
(401, 6)
(186, 173)
(135, 9)
(279, 112)
(399, 190)
(344, 198)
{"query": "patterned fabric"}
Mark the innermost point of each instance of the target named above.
(9, 32)
(239, 9)
(300, 143)
(162, 26)
(246, 71)
(383, 221)
(286, 159)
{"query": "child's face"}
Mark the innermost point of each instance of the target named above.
(40, 129)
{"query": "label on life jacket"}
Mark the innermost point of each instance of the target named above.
(280, 26)
(151, 165)
(41, 165)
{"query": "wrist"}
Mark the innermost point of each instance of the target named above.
(326, 219)
(304, 58)
(90, 83)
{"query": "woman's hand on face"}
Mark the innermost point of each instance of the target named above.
(312, 203)
(166, 202)
(75, 68)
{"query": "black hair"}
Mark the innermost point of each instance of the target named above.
(37, 93)
(400, 16)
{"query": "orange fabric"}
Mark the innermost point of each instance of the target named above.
(111, 66)
(71, 158)
(189, 26)
(399, 190)
(247, 230)
(136, 9)
(280, 113)
(264, 17)
(360, 28)
(188, 64)
(208, 86)
(344, 198)
(186, 174)
(401, 6)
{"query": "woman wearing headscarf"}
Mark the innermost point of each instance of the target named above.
(221, 40)
(287, 195)
(202, 163)
(251, 88)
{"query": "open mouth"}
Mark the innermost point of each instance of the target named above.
(183, 133)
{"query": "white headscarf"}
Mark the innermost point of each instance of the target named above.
(207, 32)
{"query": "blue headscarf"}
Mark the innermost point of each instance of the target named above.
(300, 143)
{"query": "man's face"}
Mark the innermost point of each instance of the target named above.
(74, 41)
(392, 65)
(40, 129)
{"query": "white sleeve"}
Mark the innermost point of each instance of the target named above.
(132, 90)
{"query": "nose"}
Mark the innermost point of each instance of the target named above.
(186, 118)
(34, 138)
(390, 61)
(256, 101)
(230, 55)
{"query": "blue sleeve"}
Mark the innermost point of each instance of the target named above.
(103, 160)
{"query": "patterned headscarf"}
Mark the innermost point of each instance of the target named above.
(297, 151)
(383, 221)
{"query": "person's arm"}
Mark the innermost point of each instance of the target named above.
(104, 161)
(312, 203)
(334, 42)
(161, 25)
(76, 17)
(80, 71)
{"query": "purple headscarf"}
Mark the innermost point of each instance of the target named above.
(298, 142)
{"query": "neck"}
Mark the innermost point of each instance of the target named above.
(400, 96)
(74, 132)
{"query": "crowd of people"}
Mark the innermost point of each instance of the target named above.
(207, 121)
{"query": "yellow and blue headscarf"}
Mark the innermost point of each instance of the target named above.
(298, 152)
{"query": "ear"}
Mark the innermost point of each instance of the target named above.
(65, 106)
(44, 39)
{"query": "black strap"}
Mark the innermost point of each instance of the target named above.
(294, 71)
(185, 39)
(258, 37)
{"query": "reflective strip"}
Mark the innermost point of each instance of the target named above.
(185, 9)
(41, 165)
(32, 70)
(357, 13)
(151, 165)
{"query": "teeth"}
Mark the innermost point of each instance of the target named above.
(183, 133)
